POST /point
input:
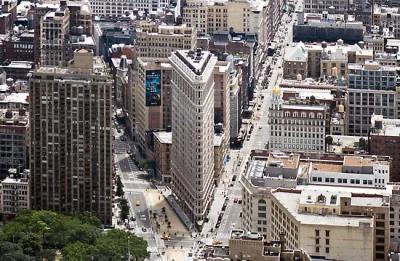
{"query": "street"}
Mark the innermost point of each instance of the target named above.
(258, 140)
(135, 184)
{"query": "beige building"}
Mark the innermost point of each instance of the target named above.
(156, 39)
(162, 154)
(221, 146)
(193, 130)
(65, 27)
(333, 179)
(242, 16)
(333, 222)
(54, 28)
(70, 113)
(222, 78)
(323, 59)
(152, 97)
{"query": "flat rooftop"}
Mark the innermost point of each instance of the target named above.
(362, 161)
(15, 97)
(218, 138)
(164, 137)
(284, 160)
(292, 201)
(328, 167)
(303, 107)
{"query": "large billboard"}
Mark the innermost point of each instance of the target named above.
(153, 88)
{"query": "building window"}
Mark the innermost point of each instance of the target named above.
(326, 241)
(317, 249)
(327, 250)
(317, 241)
(317, 233)
(327, 233)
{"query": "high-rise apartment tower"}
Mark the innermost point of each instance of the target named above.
(71, 137)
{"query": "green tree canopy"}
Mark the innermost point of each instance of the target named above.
(39, 233)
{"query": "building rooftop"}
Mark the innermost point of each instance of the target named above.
(19, 65)
(296, 53)
(164, 137)
(241, 235)
(312, 84)
(385, 127)
(13, 118)
(14, 98)
(290, 106)
(195, 60)
(309, 196)
(362, 161)
(332, 20)
(283, 160)
(218, 138)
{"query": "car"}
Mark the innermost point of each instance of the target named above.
(240, 214)
(217, 242)
(129, 152)
(166, 238)
(259, 127)
(144, 229)
(234, 178)
(138, 203)
(235, 200)
(240, 201)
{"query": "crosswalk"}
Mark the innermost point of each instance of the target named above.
(152, 249)
(223, 235)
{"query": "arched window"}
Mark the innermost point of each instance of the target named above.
(262, 201)
(312, 115)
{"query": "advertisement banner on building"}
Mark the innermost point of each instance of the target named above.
(153, 88)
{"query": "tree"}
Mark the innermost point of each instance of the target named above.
(87, 218)
(78, 251)
(84, 233)
(169, 224)
(124, 209)
(48, 254)
(120, 188)
(13, 252)
(31, 244)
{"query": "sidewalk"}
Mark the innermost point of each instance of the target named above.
(221, 191)
(156, 202)
(167, 193)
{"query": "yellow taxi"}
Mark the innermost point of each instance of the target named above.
(138, 203)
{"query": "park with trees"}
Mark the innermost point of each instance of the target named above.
(46, 235)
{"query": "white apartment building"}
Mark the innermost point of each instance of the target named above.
(354, 171)
(296, 127)
(119, 7)
(193, 130)
(371, 89)
(15, 192)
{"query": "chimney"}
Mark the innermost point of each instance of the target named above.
(282, 238)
